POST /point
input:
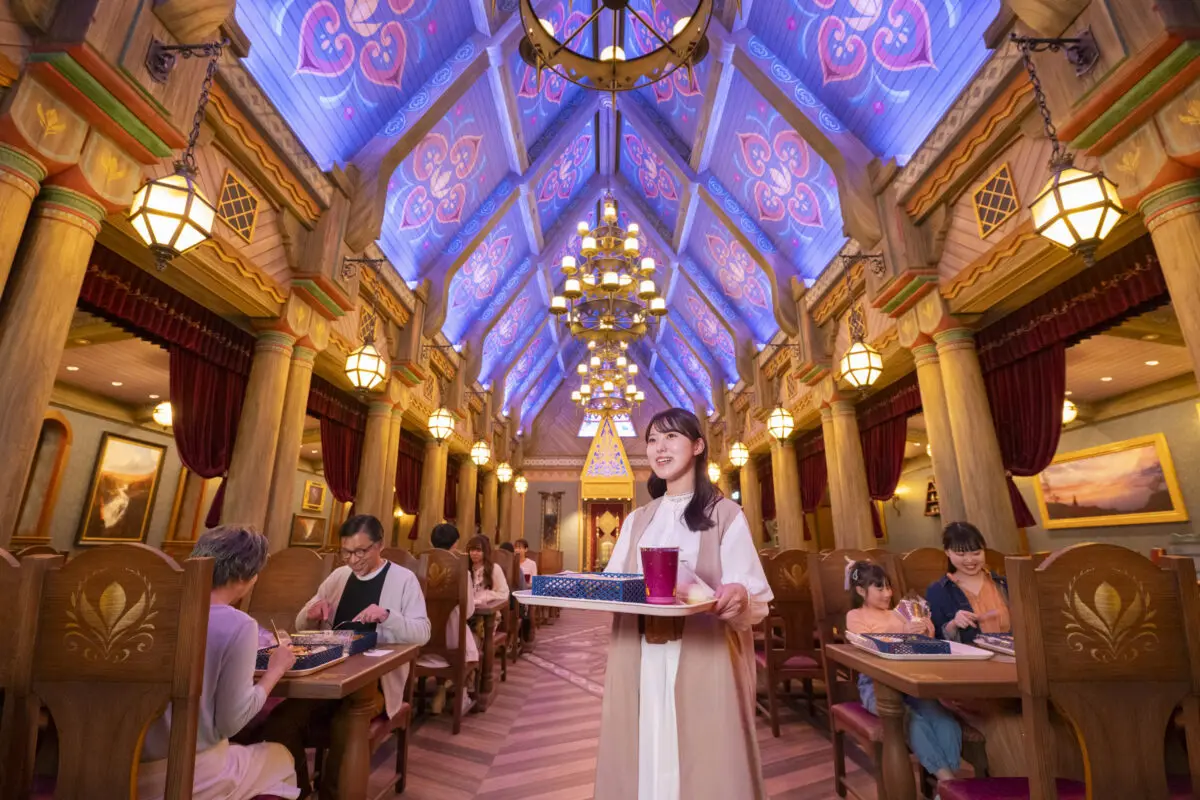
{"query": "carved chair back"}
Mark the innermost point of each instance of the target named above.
(550, 562)
(446, 590)
(288, 580)
(921, 567)
(792, 608)
(403, 557)
(1113, 642)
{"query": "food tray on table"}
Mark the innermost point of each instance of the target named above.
(616, 586)
(309, 659)
(680, 609)
(913, 647)
(354, 642)
(996, 642)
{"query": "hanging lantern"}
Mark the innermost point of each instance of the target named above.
(481, 453)
(780, 423)
(365, 368)
(1070, 412)
(739, 454)
(441, 424)
(861, 365)
(714, 472)
(520, 485)
(504, 472)
(164, 415)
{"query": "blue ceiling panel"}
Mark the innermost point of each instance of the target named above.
(538, 107)
(741, 280)
(492, 274)
(533, 360)
(567, 176)
(512, 330)
(649, 176)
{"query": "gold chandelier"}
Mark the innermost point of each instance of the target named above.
(607, 379)
(610, 295)
(613, 71)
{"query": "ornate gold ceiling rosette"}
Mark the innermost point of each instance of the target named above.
(541, 49)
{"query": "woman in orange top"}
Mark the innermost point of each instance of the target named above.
(933, 733)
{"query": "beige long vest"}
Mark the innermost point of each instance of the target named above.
(714, 692)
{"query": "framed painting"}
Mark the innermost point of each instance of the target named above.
(307, 531)
(1124, 483)
(314, 496)
(124, 484)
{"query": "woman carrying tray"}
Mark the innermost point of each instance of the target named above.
(678, 718)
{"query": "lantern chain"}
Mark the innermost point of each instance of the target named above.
(1082, 53)
(212, 51)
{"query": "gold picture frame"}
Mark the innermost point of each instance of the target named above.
(1131, 482)
(314, 496)
(124, 485)
(307, 531)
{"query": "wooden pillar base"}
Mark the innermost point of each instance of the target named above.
(489, 519)
(856, 529)
(433, 491)
(751, 499)
(941, 436)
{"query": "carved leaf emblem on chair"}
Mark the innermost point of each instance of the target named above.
(438, 577)
(793, 577)
(1109, 629)
(118, 623)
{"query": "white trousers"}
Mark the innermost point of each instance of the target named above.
(658, 734)
(229, 772)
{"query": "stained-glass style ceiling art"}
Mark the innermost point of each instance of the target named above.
(730, 266)
(566, 176)
(494, 272)
(512, 330)
(535, 357)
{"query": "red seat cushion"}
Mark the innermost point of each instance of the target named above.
(854, 719)
(795, 662)
(1018, 789)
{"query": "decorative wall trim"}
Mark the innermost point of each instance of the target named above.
(247, 270)
(1005, 249)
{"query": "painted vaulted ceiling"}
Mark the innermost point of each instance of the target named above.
(733, 201)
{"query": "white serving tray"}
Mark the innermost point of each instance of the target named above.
(680, 609)
(958, 651)
(996, 648)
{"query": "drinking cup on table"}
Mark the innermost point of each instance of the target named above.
(660, 568)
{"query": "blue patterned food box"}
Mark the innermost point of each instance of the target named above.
(307, 656)
(907, 644)
(354, 642)
(614, 587)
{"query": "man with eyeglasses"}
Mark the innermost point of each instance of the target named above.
(367, 593)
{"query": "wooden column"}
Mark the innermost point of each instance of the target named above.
(836, 503)
(20, 179)
(433, 491)
(368, 497)
(937, 427)
(489, 521)
(785, 475)
(752, 499)
(516, 516)
(392, 453)
(281, 504)
(856, 529)
(977, 452)
(248, 487)
(1172, 215)
(725, 484)
(35, 317)
(468, 483)
(504, 501)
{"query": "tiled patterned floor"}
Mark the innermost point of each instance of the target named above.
(538, 739)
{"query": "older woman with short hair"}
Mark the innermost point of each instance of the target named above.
(230, 697)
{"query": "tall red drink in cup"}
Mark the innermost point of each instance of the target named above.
(660, 568)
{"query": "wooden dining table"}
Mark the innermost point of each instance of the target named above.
(992, 678)
(487, 678)
(355, 678)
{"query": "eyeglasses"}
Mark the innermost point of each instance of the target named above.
(348, 555)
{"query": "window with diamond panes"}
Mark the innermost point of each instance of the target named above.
(995, 201)
(238, 206)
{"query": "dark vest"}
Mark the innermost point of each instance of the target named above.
(358, 595)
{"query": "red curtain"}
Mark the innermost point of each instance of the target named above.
(409, 463)
(450, 505)
(1026, 397)
(140, 303)
(766, 490)
(341, 453)
(883, 454)
(207, 403)
(813, 478)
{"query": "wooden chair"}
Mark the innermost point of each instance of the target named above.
(446, 592)
(1113, 642)
(401, 556)
(37, 550)
(550, 562)
(921, 567)
(289, 579)
(995, 561)
(788, 649)
(506, 634)
(10, 580)
(105, 642)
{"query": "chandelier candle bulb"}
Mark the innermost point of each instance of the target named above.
(585, 390)
(582, 369)
(588, 246)
(576, 396)
(640, 396)
(610, 212)
(610, 281)
(558, 304)
(647, 290)
(658, 306)
(622, 362)
(634, 229)
(594, 362)
(568, 264)
(581, 228)
(612, 53)
(633, 369)
(571, 289)
(631, 246)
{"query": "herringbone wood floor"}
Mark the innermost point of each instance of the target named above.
(538, 739)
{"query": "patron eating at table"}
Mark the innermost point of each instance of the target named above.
(230, 696)
(367, 593)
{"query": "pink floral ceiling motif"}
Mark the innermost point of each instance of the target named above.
(509, 325)
(736, 270)
(327, 50)
(709, 328)
(440, 169)
(560, 181)
(653, 176)
(482, 271)
(553, 86)
(901, 39)
(677, 83)
(778, 169)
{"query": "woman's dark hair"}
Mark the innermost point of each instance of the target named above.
(507, 547)
(521, 543)
(699, 509)
(961, 537)
(482, 544)
(443, 536)
(862, 575)
(239, 552)
(362, 523)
